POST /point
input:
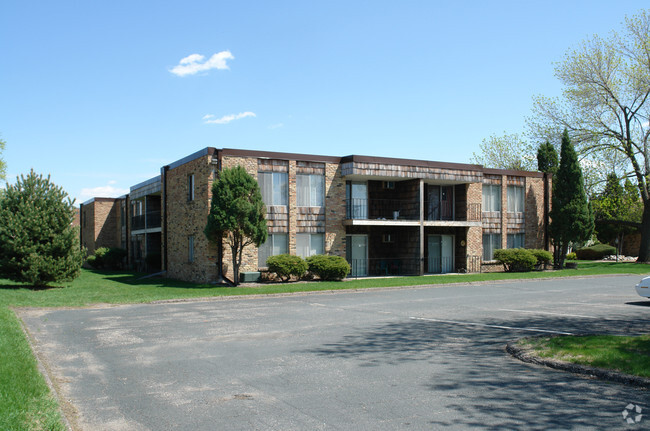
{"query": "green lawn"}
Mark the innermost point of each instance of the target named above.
(25, 400)
(630, 355)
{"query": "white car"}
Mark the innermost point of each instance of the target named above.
(643, 288)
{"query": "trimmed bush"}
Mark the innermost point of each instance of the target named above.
(328, 267)
(571, 256)
(286, 265)
(107, 258)
(595, 252)
(516, 259)
(543, 257)
(92, 261)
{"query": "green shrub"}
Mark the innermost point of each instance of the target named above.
(543, 257)
(114, 258)
(516, 259)
(286, 265)
(328, 267)
(571, 256)
(595, 252)
(92, 261)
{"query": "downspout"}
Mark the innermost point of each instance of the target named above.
(164, 180)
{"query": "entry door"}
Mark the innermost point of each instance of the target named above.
(357, 251)
(446, 203)
(357, 196)
(441, 253)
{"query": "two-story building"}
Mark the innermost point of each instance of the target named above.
(385, 216)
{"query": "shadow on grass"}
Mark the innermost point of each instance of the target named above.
(480, 385)
(639, 303)
(19, 286)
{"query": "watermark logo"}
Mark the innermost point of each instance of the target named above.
(632, 414)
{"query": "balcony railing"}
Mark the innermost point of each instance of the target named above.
(382, 209)
(149, 220)
(384, 266)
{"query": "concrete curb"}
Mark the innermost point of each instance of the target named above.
(525, 354)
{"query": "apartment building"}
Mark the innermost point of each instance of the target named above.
(386, 216)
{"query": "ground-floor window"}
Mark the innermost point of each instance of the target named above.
(357, 254)
(190, 248)
(310, 244)
(275, 244)
(516, 240)
(491, 242)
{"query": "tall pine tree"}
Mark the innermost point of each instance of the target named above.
(38, 244)
(571, 216)
(547, 158)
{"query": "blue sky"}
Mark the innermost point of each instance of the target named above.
(101, 94)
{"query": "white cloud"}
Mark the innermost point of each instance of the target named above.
(193, 63)
(107, 191)
(209, 118)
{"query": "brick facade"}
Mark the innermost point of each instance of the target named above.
(397, 233)
(100, 222)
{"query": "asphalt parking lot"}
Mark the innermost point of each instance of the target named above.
(412, 358)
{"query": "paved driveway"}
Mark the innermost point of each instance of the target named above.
(421, 358)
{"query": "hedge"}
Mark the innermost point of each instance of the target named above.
(328, 267)
(595, 252)
(286, 265)
(516, 259)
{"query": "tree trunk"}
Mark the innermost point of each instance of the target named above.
(644, 249)
(235, 265)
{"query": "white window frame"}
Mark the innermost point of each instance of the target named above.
(315, 244)
(516, 240)
(493, 242)
(315, 193)
(516, 199)
(276, 243)
(279, 194)
(491, 198)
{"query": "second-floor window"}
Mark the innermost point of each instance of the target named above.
(515, 199)
(274, 187)
(310, 190)
(190, 187)
(491, 198)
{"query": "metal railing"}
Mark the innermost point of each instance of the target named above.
(376, 267)
(149, 220)
(382, 209)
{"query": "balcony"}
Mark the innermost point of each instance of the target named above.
(382, 209)
(150, 220)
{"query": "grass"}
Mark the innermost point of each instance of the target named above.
(25, 400)
(630, 355)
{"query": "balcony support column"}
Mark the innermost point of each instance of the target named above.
(421, 226)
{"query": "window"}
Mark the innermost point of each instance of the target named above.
(310, 190)
(491, 198)
(515, 199)
(190, 248)
(190, 187)
(491, 242)
(274, 187)
(516, 240)
(275, 244)
(310, 244)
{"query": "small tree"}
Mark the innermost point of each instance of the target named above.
(38, 244)
(571, 216)
(237, 214)
(504, 152)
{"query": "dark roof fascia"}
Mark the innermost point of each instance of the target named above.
(513, 173)
(280, 156)
(207, 151)
(409, 162)
(91, 200)
(153, 180)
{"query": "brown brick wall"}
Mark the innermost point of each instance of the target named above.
(534, 216)
(101, 227)
(188, 218)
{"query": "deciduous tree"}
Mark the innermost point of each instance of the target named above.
(237, 214)
(605, 104)
(504, 152)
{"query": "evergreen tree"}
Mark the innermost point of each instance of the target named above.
(547, 160)
(237, 214)
(38, 244)
(571, 216)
